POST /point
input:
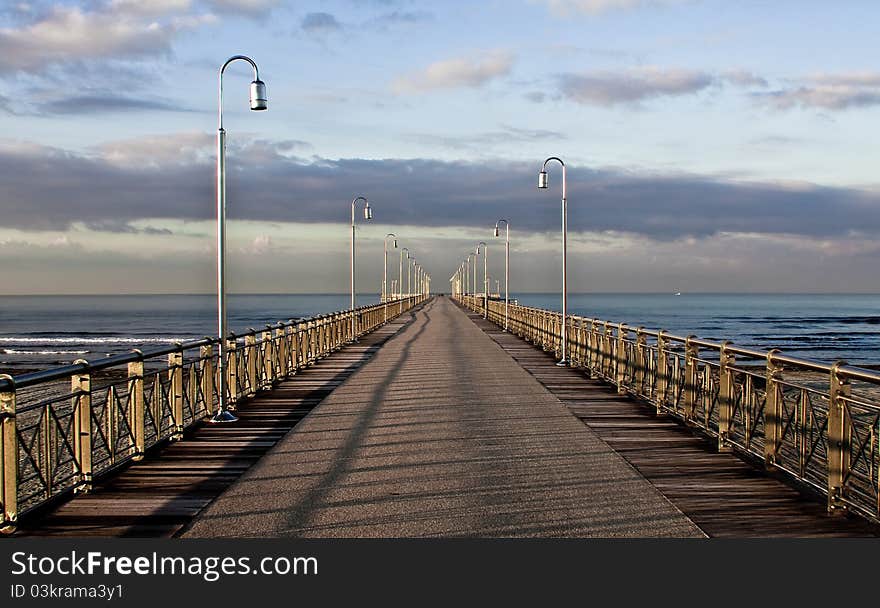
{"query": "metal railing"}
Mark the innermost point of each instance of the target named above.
(818, 422)
(62, 427)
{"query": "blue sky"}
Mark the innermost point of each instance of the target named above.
(711, 145)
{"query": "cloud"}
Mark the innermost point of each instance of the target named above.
(103, 102)
(504, 136)
(605, 88)
(123, 227)
(593, 7)
(252, 8)
(744, 78)
(151, 8)
(458, 73)
(121, 29)
(51, 189)
(826, 92)
(261, 245)
(320, 23)
(401, 18)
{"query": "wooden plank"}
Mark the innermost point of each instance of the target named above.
(722, 493)
(160, 495)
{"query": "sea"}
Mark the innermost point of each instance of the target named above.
(38, 332)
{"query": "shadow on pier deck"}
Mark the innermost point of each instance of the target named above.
(439, 424)
(160, 495)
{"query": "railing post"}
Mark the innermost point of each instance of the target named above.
(691, 369)
(136, 407)
(607, 355)
(232, 371)
(725, 396)
(839, 439)
(593, 342)
(662, 371)
(773, 423)
(9, 460)
(641, 361)
(281, 351)
(250, 353)
(268, 358)
(620, 375)
(81, 387)
(175, 381)
(206, 363)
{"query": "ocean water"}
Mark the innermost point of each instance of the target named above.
(825, 327)
(46, 331)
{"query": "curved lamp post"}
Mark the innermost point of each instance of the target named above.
(258, 102)
(485, 277)
(400, 276)
(385, 266)
(368, 215)
(409, 273)
(506, 268)
(468, 285)
(543, 182)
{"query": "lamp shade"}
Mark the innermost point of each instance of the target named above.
(259, 98)
(543, 179)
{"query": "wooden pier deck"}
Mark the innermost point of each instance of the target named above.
(160, 495)
(439, 424)
(720, 492)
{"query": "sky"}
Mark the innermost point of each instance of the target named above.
(709, 145)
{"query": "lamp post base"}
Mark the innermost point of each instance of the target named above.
(562, 363)
(222, 417)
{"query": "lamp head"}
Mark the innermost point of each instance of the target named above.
(543, 179)
(395, 243)
(496, 229)
(259, 98)
(368, 213)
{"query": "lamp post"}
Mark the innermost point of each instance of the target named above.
(385, 273)
(400, 276)
(409, 272)
(385, 266)
(485, 277)
(368, 215)
(461, 279)
(506, 269)
(543, 182)
(468, 285)
(258, 102)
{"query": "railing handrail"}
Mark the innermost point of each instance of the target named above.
(56, 441)
(852, 372)
(826, 438)
(65, 371)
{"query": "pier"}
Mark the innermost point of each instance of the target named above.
(439, 423)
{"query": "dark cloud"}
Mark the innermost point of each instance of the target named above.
(320, 23)
(101, 103)
(46, 188)
(123, 227)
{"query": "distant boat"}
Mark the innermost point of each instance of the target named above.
(678, 293)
